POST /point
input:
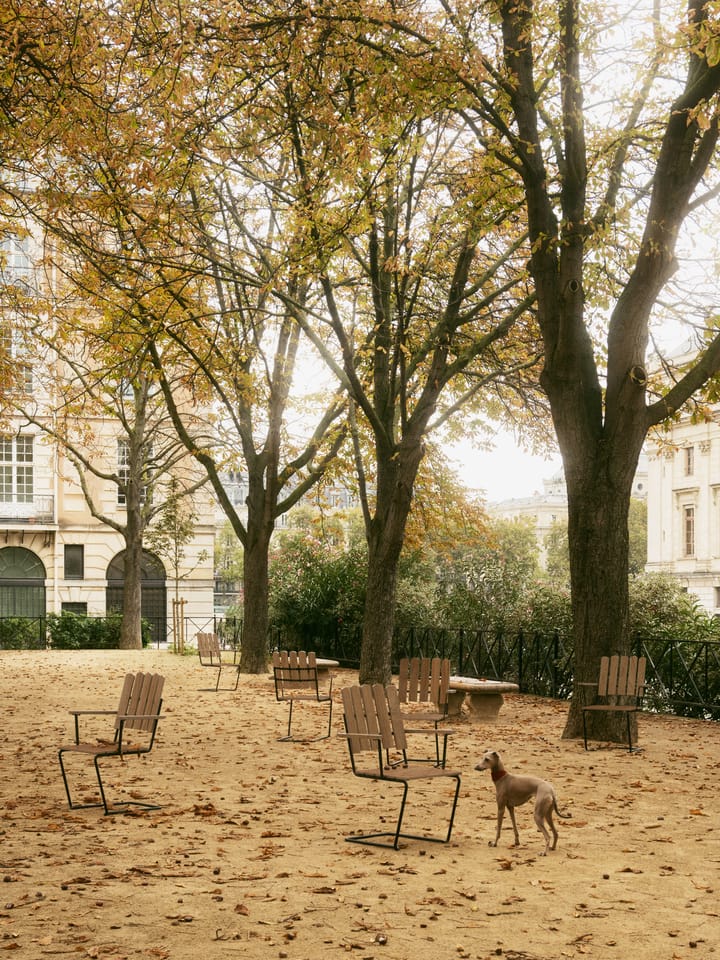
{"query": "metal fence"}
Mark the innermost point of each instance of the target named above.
(683, 676)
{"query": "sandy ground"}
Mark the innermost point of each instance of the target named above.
(247, 858)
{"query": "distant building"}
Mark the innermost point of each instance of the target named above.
(543, 509)
(550, 507)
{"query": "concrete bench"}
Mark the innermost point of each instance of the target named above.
(483, 698)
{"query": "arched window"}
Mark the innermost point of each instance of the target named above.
(154, 592)
(22, 583)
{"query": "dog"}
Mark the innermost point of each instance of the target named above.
(512, 791)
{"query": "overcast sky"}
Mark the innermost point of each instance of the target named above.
(505, 472)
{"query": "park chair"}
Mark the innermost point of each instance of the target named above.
(423, 688)
(210, 655)
(621, 687)
(137, 716)
(296, 678)
(374, 728)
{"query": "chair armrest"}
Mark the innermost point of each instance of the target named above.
(365, 736)
(89, 713)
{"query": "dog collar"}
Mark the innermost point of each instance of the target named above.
(498, 775)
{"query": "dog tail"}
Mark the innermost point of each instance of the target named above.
(565, 816)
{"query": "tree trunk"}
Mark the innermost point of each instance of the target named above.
(254, 652)
(396, 479)
(598, 506)
(131, 630)
(379, 612)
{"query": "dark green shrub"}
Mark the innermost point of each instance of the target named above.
(21, 633)
(71, 631)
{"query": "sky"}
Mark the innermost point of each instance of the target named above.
(505, 472)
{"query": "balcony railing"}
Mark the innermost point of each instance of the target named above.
(40, 510)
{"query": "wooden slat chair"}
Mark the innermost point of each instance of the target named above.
(295, 673)
(137, 716)
(621, 685)
(424, 682)
(373, 728)
(210, 655)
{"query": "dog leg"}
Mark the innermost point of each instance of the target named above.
(543, 812)
(500, 815)
(511, 811)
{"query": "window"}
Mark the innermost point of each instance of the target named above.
(13, 350)
(717, 597)
(79, 609)
(689, 461)
(74, 561)
(16, 469)
(123, 470)
(14, 259)
(689, 531)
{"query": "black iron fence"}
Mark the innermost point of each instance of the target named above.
(683, 676)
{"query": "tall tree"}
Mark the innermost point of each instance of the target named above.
(428, 311)
(611, 182)
(96, 399)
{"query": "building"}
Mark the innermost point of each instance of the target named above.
(549, 507)
(684, 507)
(55, 555)
(543, 509)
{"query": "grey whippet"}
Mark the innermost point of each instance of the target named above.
(512, 791)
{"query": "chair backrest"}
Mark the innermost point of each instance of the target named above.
(294, 670)
(621, 676)
(208, 649)
(140, 701)
(373, 710)
(424, 680)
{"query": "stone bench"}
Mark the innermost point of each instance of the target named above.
(483, 698)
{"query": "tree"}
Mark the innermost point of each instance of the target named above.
(428, 318)
(158, 198)
(608, 190)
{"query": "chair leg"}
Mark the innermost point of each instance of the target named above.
(374, 839)
(584, 716)
(73, 806)
(289, 737)
(122, 804)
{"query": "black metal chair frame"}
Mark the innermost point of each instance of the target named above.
(373, 723)
(140, 692)
(295, 674)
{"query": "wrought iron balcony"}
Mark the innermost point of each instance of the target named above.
(40, 510)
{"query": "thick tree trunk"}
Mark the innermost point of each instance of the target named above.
(598, 506)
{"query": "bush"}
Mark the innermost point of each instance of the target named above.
(660, 609)
(22, 633)
(71, 631)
